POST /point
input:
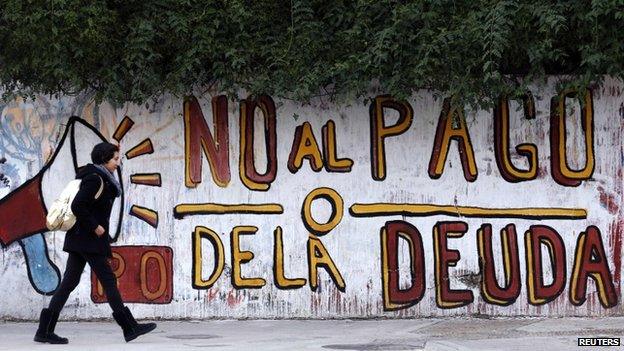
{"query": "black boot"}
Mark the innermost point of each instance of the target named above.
(131, 329)
(47, 323)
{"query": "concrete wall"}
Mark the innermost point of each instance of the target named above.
(357, 210)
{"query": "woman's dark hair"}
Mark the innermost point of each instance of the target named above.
(103, 152)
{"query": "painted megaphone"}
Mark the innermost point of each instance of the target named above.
(23, 210)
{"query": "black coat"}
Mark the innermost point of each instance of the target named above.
(90, 213)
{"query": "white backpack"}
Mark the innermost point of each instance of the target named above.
(60, 215)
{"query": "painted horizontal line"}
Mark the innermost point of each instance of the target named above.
(421, 210)
(144, 148)
(151, 179)
(217, 209)
(147, 215)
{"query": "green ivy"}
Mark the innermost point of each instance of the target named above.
(135, 50)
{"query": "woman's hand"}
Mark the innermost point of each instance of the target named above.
(99, 231)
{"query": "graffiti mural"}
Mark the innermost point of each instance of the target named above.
(23, 210)
(27, 133)
(390, 208)
(149, 281)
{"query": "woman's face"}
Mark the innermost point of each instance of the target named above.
(113, 163)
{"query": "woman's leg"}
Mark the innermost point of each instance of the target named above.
(49, 316)
(102, 269)
(71, 278)
(123, 316)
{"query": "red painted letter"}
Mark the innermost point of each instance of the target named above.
(197, 137)
(490, 289)
(445, 258)
(590, 261)
(538, 292)
(394, 297)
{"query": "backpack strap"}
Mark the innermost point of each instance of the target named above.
(101, 189)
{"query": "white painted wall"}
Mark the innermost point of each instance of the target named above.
(355, 243)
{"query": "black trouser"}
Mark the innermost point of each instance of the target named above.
(75, 265)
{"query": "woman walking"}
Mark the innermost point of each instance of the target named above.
(88, 242)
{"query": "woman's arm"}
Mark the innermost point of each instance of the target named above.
(84, 199)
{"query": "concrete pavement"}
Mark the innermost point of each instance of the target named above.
(385, 334)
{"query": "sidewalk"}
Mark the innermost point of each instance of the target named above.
(405, 334)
